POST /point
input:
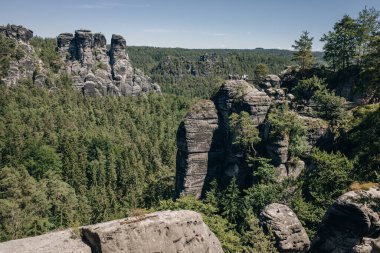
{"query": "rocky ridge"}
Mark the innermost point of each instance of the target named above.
(166, 231)
(27, 65)
(95, 70)
(213, 153)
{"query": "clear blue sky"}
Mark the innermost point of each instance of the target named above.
(189, 23)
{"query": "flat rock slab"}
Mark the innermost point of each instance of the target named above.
(55, 242)
(167, 231)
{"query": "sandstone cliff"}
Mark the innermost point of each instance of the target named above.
(95, 70)
(167, 231)
(204, 141)
(27, 65)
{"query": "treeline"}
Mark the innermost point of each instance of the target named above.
(196, 71)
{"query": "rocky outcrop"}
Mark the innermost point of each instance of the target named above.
(97, 71)
(198, 154)
(65, 241)
(235, 96)
(317, 130)
(288, 231)
(167, 231)
(17, 32)
(26, 65)
(351, 224)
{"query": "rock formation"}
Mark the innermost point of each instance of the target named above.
(197, 155)
(204, 142)
(352, 224)
(167, 231)
(97, 71)
(288, 231)
(27, 65)
(62, 241)
(17, 32)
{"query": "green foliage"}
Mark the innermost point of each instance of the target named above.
(288, 123)
(261, 70)
(371, 70)
(305, 89)
(96, 158)
(46, 51)
(265, 173)
(245, 134)
(328, 178)
(308, 213)
(260, 195)
(255, 239)
(9, 51)
(232, 203)
(24, 206)
(340, 44)
(329, 106)
(363, 138)
(303, 55)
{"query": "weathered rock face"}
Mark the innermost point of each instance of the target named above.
(237, 96)
(351, 224)
(96, 71)
(317, 129)
(62, 242)
(168, 231)
(198, 154)
(289, 233)
(17, 32)
(25, 67)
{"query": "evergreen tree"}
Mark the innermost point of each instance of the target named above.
(261, 70)
(303, 55)
(341, 43)
(232, 203)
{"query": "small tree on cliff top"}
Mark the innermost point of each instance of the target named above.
(303, 55)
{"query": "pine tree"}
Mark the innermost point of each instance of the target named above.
(232, 203)
(303, 55)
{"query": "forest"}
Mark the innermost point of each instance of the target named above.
(68, 160)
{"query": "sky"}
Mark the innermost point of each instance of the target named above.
(184, 23)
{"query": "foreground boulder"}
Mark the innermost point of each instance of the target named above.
(351, 224)
(167, 231)
(288, 231)
(65, 241)
(197, 153)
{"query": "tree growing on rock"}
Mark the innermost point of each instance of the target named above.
(303, 55)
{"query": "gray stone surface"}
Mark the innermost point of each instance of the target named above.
(87, 59)
(26, 66)
(55, 242)
(167, 231)
(288, 231)
(197, 155)
(351, 224)
(17, 32)
(237, 96)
